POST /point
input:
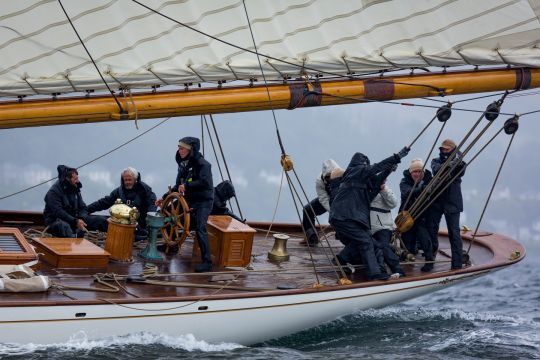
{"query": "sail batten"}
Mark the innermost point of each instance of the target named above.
(137, 48)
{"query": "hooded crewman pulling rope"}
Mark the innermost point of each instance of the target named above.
(350, 211)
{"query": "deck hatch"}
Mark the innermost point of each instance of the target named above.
(9, 243)
(14, 249)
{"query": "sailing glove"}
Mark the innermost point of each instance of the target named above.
(403, 152)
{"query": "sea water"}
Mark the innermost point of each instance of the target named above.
(493, 317)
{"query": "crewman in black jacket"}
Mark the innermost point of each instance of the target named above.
(415, 180)
(194, 180)
(450, 201)
(133, 192)
(65, 212)
(223, 192)
(349, 213)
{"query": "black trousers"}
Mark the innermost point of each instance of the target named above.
(199, 218)
(385, 254)
(456, 243)
(60, 228)
(314, 208)
(419, 233)
(359, 245)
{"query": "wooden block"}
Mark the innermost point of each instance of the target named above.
(71, 253)
(231, 241)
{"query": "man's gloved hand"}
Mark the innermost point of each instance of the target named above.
(393, 168)
(403, 152)
(456, 160)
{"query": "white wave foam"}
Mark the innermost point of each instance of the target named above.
(80, 341)
(482, 335)
(444, 313)
(488, 337)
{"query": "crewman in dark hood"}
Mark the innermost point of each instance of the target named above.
(223, 192)
(133, 192)
(450, 201)
(194, 180)
(65, 212)
(349, 213)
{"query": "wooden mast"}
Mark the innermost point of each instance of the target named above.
(239, 99)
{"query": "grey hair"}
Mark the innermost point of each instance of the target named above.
(132, 171)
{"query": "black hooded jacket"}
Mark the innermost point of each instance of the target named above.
(359, 187)
(222, 193)
(140, 196)
(63, 200)
(406, 186)
(195, 173)
(451, 200)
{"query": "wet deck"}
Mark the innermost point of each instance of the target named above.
(263, 277)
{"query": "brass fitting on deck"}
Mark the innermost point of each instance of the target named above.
(344, 281)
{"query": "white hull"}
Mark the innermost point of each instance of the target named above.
(243, 321)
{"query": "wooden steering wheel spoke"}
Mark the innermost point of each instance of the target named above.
(177, 229)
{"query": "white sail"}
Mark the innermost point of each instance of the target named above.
(135, 47)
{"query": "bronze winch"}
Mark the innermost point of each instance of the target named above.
(279, 251)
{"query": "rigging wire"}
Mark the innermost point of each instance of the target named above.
(283, 153)
(225, 164)
(90, 161)
(222, 157)
(491, 192)
(450, 165)
(256, 52)
(446, 169)
(449, 182)
(277, 204)
(122, 111)
(202, 138)
(422, 131)
(427, 157)
(265, 82)
(213, 146)
(361, 100)
(330, 248)
(234, 45)
(530, 112)
(293, 191)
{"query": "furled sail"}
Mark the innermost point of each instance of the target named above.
(135, 47)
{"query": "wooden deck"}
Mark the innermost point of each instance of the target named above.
(263, 277)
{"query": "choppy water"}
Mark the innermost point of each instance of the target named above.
(497, 316)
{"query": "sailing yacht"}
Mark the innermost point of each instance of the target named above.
(118, 60)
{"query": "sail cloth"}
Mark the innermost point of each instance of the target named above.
(136, 48)
(21, 278)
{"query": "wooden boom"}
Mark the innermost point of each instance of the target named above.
(253, 98)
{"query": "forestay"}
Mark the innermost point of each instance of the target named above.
(135, 47)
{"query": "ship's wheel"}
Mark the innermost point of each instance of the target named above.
(176, 229)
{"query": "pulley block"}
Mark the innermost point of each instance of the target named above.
(511, 125)
(444, 113)
(492, 111)
(404, 221)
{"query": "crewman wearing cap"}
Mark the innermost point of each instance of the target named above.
(416, 179)
(194, 181)
(450, 201)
